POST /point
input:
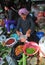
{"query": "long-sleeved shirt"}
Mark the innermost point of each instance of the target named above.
(25, 24)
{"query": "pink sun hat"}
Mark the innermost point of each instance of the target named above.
(23, 11)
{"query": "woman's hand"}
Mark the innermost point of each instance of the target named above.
(28, 33)
(19, 33)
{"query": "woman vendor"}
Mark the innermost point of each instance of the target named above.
(27, 25)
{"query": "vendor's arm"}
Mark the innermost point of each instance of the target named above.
(32, 27)
(19, 33)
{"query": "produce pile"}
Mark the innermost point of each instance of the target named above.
(4, 51)
(13, 47)
(10, 41)
(30, 50)
(19, 50)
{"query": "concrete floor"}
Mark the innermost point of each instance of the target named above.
(33, 61)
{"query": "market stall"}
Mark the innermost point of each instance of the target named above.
(17, 50)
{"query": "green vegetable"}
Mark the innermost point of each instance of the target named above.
(21, 61)
(6, 63)
(4, 55)
(2, 48)
(4, 51)
(30, 50)
(24, 59)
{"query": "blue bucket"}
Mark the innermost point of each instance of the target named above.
(40, 34)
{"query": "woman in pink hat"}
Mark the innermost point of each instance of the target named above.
(26, 24)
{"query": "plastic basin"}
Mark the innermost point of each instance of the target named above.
(31, 45)
(40, 34)
(42, 46)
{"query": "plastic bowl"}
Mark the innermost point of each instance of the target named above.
(31, 45)
(15, 36)
(13, 54)
(2, 38)
(40, 34)
(42, 46)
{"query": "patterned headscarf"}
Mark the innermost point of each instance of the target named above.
(23, 11)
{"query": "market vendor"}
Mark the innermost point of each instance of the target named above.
(27, 25)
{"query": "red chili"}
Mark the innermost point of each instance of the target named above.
(44, 13)
(10, 41)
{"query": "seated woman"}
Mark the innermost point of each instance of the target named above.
(9, 19)
(27, 25)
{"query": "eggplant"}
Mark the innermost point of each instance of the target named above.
(13, 51)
